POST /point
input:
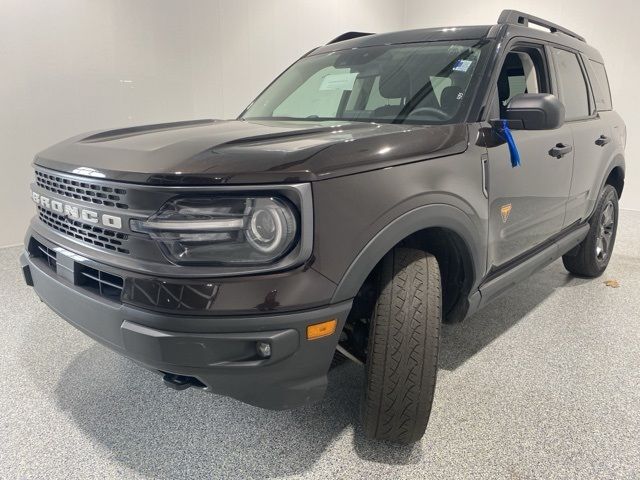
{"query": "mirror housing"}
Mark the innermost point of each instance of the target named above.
(535, 111)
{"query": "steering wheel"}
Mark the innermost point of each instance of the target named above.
(430, 111)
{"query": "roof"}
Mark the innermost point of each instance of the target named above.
(511, 23)
(409, 36)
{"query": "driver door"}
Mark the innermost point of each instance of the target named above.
(527, 204)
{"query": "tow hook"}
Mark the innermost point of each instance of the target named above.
(181, 382)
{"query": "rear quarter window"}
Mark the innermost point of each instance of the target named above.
(573, 87)
(600, 84)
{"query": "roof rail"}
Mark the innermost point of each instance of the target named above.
(514, 17)
(348, 36)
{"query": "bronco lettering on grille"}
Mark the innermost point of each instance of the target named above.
(76, 213)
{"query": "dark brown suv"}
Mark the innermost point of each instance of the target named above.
(382, 184)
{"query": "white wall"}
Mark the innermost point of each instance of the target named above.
(610, 26)
(260, 38)
(75, 65)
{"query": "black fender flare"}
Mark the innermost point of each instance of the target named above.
(432, 215)
(617, 161)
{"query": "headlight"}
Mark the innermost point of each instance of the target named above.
(223, 230)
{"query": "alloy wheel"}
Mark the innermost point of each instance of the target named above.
(605, 232)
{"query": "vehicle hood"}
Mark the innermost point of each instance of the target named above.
(207, 152)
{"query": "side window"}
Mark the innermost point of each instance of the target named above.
(523, 71)
(600, 85)
(573, 87)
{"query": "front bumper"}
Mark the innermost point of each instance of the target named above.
(220, 352)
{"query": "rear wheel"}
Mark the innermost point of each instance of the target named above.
(402, 353)
(593, 254)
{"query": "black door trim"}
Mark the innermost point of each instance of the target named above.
(522, 268)
(523, 257)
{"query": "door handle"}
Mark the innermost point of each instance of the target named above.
(603, 140)
(560, 150)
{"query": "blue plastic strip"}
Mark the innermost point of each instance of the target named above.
(513, 149)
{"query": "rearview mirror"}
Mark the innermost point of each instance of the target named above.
(535, 111)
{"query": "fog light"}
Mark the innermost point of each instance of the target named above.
(264, 349)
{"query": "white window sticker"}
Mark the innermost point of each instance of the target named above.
(338, 81)
(462, 65)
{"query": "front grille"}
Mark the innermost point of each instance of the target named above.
(91, 234)
(83, 190)
(99, 282)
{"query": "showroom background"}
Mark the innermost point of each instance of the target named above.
(70, 66)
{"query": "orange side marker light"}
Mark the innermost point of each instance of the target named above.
(319, 330)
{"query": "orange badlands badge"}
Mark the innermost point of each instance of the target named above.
(505, 210)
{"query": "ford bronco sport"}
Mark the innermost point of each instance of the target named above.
(382, 184)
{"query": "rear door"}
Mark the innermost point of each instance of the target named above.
(591, 131)
(527, 203)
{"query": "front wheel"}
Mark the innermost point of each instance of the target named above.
(402, 354)
(593, 254)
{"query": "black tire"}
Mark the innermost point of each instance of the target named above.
(593, 254)
(402, 358)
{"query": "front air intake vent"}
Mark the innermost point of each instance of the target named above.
(101, 283)
(169, 295)
(46, 254)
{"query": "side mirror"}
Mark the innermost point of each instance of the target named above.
(535, 111)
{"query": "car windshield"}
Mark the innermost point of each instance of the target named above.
(424, 83)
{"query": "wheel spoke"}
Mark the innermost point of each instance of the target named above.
(606, 240)
(607, 215)
(599, 247)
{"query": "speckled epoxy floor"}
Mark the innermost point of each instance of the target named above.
(544, 383)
